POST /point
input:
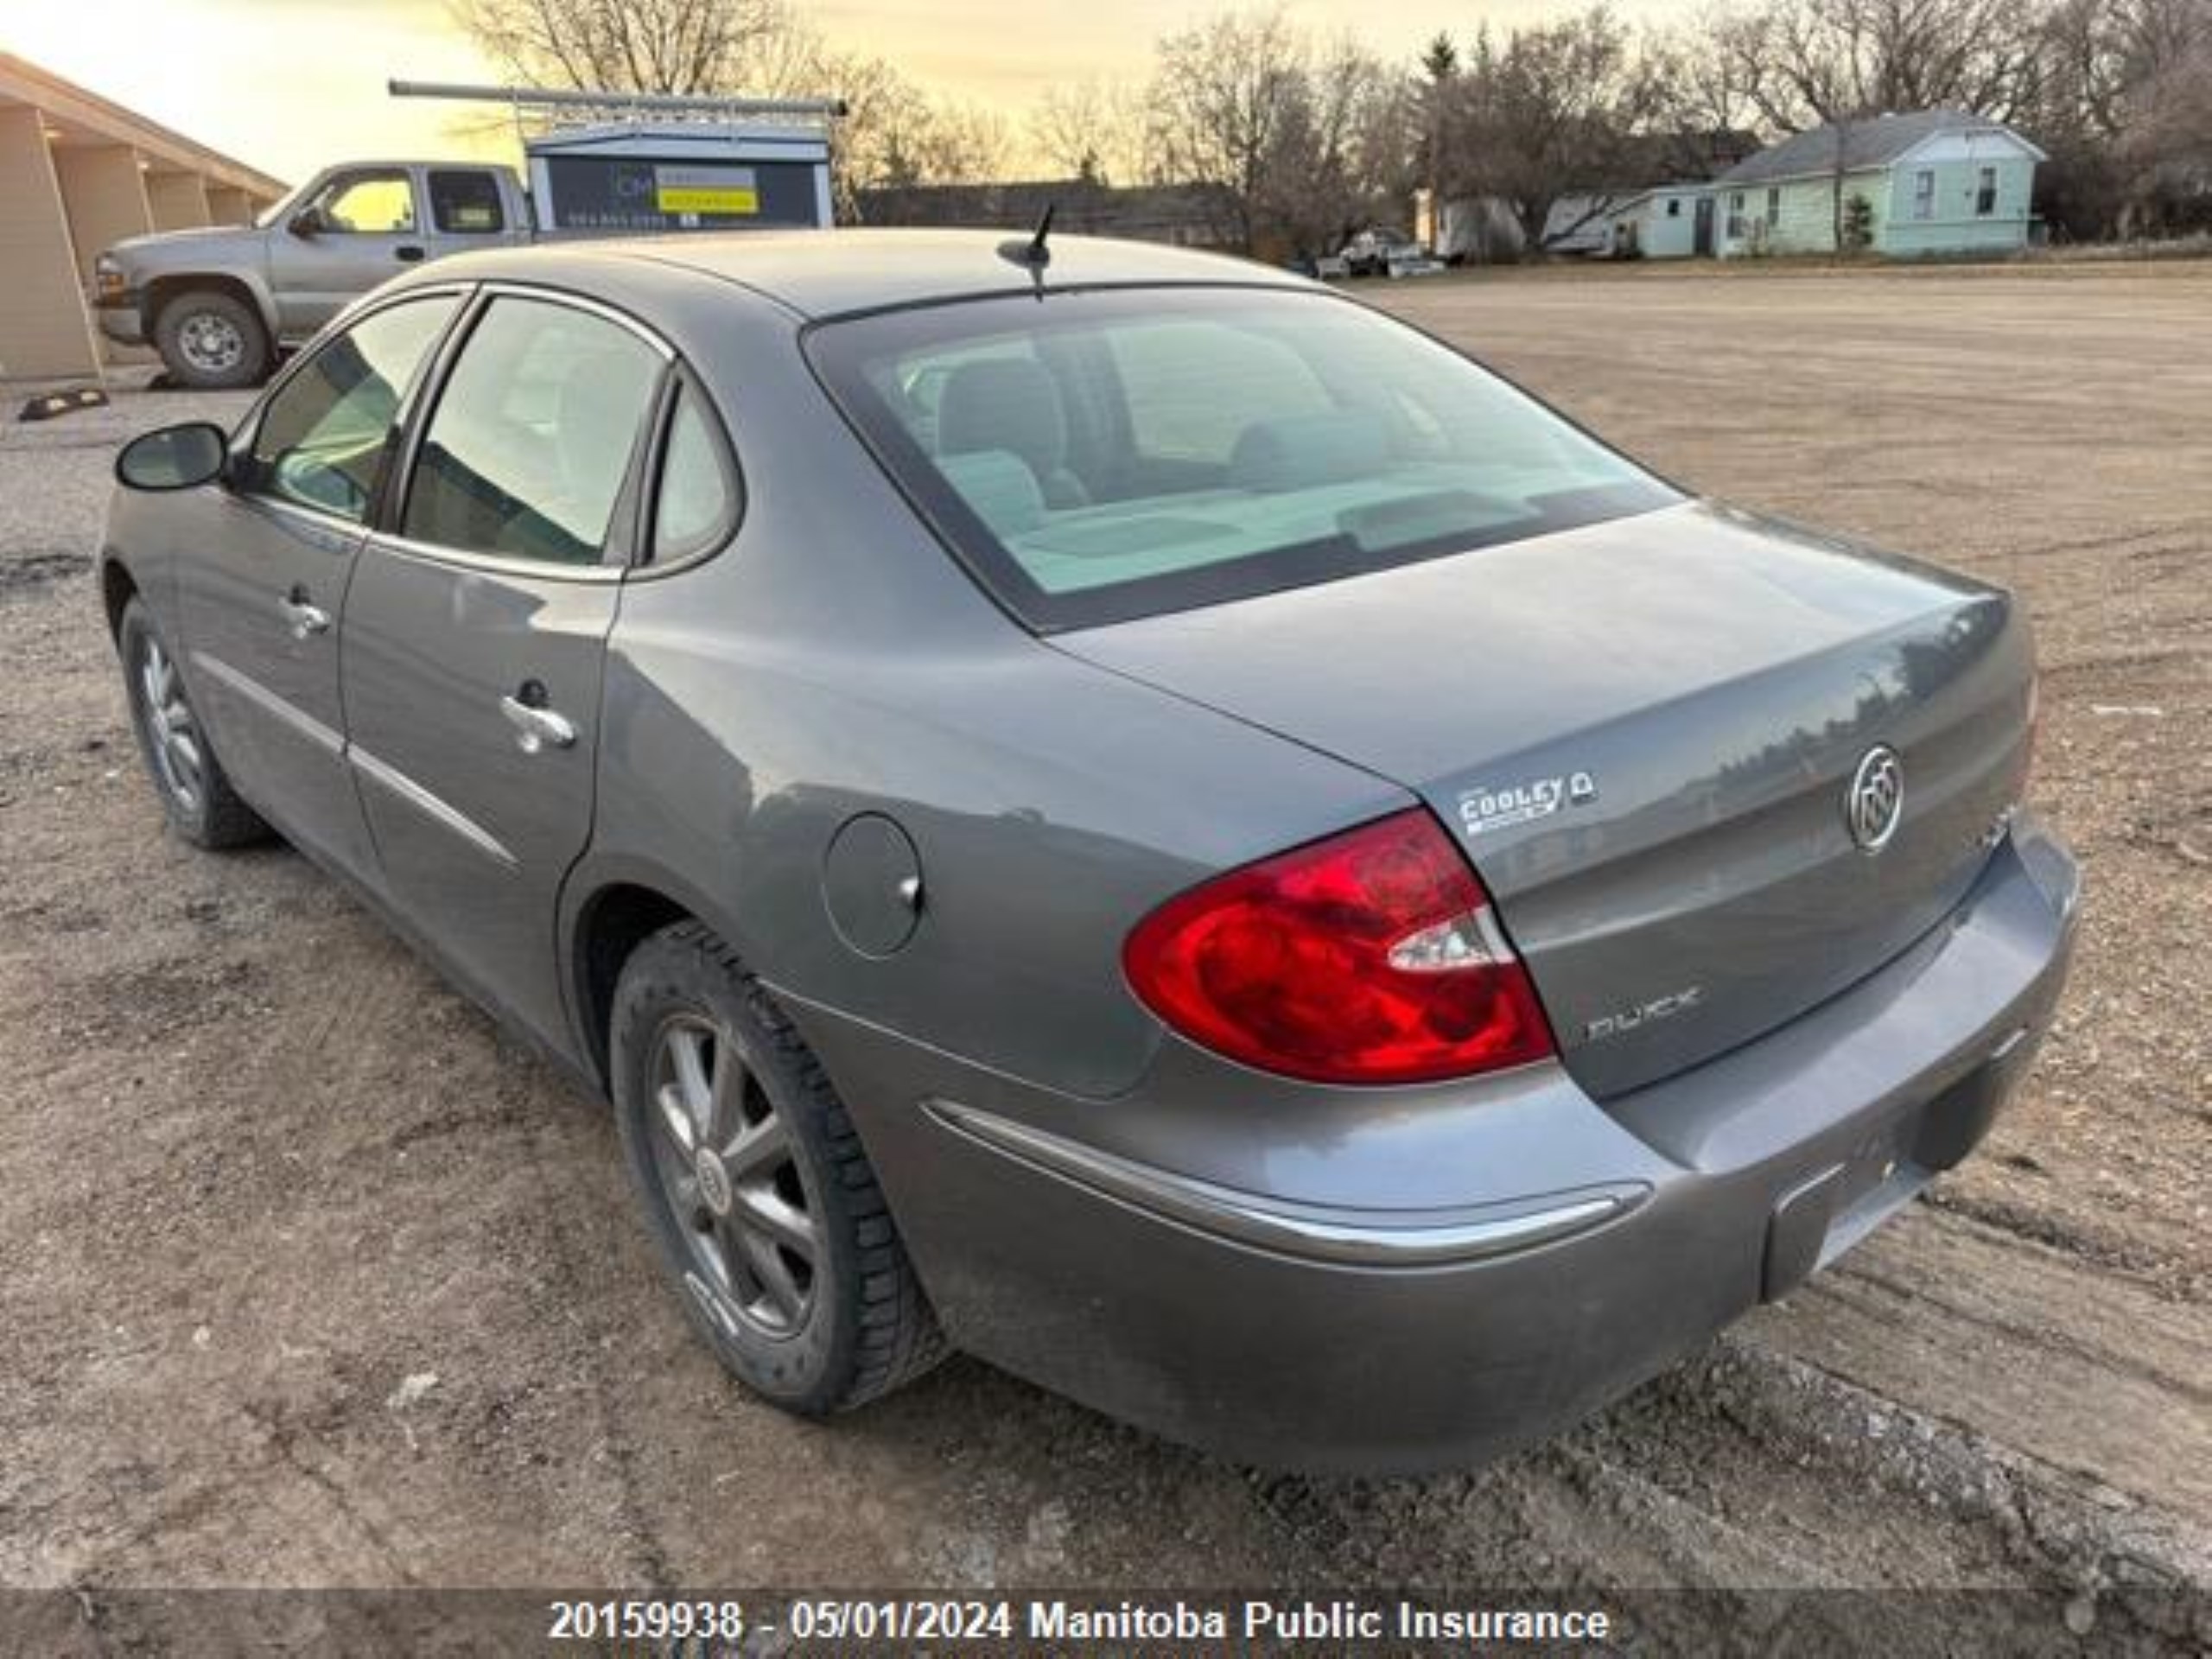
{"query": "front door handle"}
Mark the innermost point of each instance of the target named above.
(302, 615)
(538, 728)
(407, 253)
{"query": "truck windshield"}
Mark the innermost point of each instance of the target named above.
(286, 205)
(1108, 454)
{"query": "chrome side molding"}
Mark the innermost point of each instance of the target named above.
(1407, 1238)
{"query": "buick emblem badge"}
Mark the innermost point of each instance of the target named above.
(1875, 800)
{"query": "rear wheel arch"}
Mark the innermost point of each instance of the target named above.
(610, 925)
(622, 908)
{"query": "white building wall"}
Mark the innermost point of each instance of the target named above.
(1667, 225)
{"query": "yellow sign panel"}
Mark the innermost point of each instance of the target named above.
(706, 199)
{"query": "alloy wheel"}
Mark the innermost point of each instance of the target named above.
(172, 733)
(730, 1176)
(211, 342)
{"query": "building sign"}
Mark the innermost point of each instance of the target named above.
(615, 194)
(706, 190)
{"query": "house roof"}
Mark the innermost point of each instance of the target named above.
(1875, 142)
(76, 115)
(1637, 198)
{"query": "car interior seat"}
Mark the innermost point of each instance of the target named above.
(1011, 404)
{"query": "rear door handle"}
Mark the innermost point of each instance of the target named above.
(302, 616)
(537, 729)
(407, 253)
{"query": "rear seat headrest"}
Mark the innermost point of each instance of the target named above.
(1297, 451)
(998, 485)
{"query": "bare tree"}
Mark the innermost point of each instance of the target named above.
(1705, 93)
(640, 45)
(2162, 146)
(1343, 142)
(1438, 87)
(919, 141)
(1806, 63)
(1094, 130)
(1559, 108)
(1224, 95)
(1065, 130)
(894, 135)
(1308, 141)
(890, 132)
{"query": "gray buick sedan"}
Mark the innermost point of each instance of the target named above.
(1115, 809)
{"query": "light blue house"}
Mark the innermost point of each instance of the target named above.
(1660, 223)
(1938, 181)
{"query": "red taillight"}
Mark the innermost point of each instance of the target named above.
(1368, 957)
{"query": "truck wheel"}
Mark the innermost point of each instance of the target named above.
(754, 1186)
(213, 340)
(195, 791)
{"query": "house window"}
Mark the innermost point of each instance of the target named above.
(1923, 194)
(1984, 193)
(1735, 215)
(1773, 208)
(1673, 207)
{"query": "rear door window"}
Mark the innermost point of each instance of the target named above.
(465, 202)
(533, 435)
(696, 501)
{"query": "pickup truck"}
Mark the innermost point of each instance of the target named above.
(1376, 252)
(219, 304)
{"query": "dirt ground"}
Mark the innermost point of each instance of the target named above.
(311, 1277)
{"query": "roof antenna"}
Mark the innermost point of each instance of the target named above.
(1033, 254)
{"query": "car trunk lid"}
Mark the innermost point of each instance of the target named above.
(1643, 733)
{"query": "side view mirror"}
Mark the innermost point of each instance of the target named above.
(173, 457)
(308, 222)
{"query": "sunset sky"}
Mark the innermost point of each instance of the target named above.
(291, 84)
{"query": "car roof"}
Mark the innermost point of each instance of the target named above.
(829, 273)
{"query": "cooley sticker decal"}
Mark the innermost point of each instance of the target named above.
(1499, 809)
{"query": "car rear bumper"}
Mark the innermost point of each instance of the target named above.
(1401, 1280)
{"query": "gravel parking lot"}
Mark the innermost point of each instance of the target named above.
(312, 1277)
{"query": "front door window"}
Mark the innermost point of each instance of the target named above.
(322, 439)
(367, 203)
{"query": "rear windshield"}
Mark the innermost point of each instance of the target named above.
(1101, 454)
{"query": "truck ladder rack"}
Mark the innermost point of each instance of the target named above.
(557, 107)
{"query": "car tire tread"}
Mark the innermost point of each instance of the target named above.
(253, 365)
(224, 821)
(896, 1335)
